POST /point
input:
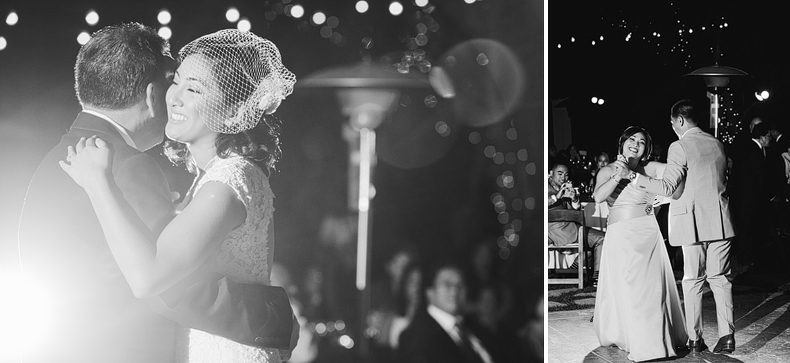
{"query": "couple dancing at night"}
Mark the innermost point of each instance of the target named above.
(127, 274)
(637, 307)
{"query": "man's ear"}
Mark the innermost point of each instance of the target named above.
(154, 96)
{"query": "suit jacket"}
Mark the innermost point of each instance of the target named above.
(94, 316)
(750, 186)
(424, 341)
(777, 181)
(695, 178)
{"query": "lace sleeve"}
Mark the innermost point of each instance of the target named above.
(231, 173)
(245, 253)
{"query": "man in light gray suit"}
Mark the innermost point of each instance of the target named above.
(699, 221)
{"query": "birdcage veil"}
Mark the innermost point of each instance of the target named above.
(250, 79)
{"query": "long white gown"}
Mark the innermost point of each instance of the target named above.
(245, 256)
(637, 307)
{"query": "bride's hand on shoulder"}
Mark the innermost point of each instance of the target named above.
(88, 162)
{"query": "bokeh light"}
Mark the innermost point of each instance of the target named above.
(165, 32)
(244, 25)
(318, 18)
(362, 6)
(396, 8)
(486, 78)
(232, 15)
(12, 18)
(346, 341)
(164, 17)
(3, 43)
(332, 22)
(421, 3)
(83, 38)
(92, 18)
(297, 11)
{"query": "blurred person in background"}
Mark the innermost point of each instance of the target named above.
(440, 333)
(387, 299)
(600, 161)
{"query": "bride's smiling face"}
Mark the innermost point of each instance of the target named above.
(188, 95)
(634, 146)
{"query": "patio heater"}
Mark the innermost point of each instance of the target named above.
(367, 93)
(716, 77)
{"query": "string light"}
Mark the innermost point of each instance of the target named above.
(12, 18)
(232, 15)
(361, 7)
(163, 17)
(92, 18)
(83, 38)
(244, 25)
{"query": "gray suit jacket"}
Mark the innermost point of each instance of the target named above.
(695, 178)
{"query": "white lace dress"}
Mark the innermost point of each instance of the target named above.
(245, 255)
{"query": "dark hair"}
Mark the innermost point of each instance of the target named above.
(116, 65)
(261, 144)
(401, 303)
(557, 164)
(688, 109)
(630, 131)
(433, 270)
(776, 126)
(759, 130)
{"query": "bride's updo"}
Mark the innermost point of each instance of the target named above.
(630, 131)
(248, 82)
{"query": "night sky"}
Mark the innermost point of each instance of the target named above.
(442, 191)
(647, 48)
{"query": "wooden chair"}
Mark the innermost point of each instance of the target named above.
(580, 247)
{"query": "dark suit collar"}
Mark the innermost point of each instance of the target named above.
(91, 123)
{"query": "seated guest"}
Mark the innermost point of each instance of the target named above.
(562, 195)
(600, 161)
(438, 334)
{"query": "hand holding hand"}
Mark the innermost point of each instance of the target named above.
(88, 162)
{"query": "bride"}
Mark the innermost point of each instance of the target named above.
(637, 307)
(219, 113)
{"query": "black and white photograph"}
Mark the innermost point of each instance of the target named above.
(300, 181)
(667, 182)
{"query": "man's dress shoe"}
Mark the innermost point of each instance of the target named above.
(725, 344)
(697, 346)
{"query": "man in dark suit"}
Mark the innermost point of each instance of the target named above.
(438, 333)
(121, 76)
(748, 189)
(777, 177)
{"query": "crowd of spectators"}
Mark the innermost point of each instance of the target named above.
(505, 325)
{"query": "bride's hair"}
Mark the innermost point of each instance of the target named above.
(248, 81)
(630, 131)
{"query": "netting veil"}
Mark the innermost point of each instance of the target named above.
(249, 79)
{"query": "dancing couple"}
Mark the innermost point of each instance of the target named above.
(637, 307)
(129, 275)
